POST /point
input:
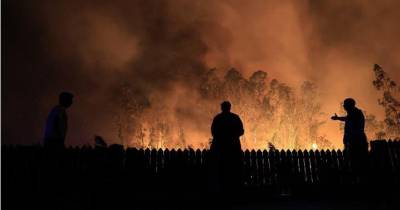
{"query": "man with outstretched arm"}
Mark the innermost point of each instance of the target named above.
(354, 139)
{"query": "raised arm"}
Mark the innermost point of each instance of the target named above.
(335, 117)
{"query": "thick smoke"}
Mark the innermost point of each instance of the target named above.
(144, 61)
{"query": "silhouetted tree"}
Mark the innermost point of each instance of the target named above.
(389, 101)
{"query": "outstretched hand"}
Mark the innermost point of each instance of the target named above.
(335, 117)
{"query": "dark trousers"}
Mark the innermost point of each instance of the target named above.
(226, 167)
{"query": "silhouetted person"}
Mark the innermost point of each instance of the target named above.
(225, 148)
(354, 139)
(57, 122)
(54, 175)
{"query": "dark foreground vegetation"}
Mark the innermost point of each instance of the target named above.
(118, 178)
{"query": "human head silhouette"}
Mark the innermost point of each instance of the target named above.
(226, 106)
(65, 99)
(349, 104)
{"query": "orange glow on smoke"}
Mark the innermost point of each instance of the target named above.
(162, 50)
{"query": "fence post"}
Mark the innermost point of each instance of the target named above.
(253, 168)
(260, 164)
(246, 167)
(153, 161)
(160, 160)
(267, 168)
(307, 167)
(303, 175)
(342, 166)
(296, 167)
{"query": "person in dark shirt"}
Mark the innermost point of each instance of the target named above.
(354, 139)
(226, 130)
(354, 135)
(57, 122)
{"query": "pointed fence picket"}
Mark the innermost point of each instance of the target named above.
(144, 168)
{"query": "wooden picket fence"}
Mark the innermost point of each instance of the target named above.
(29, 167)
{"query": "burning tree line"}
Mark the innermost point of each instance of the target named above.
(272, 113)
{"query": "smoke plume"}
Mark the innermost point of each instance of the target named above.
(137, 68)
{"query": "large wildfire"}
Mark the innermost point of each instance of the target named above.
(273, 113)
(153, 73)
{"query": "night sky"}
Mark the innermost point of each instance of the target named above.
(93, 47)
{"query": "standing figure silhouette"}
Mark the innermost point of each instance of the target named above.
(226, 152)
(54, 174)
(57, 122)
(354, 139)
